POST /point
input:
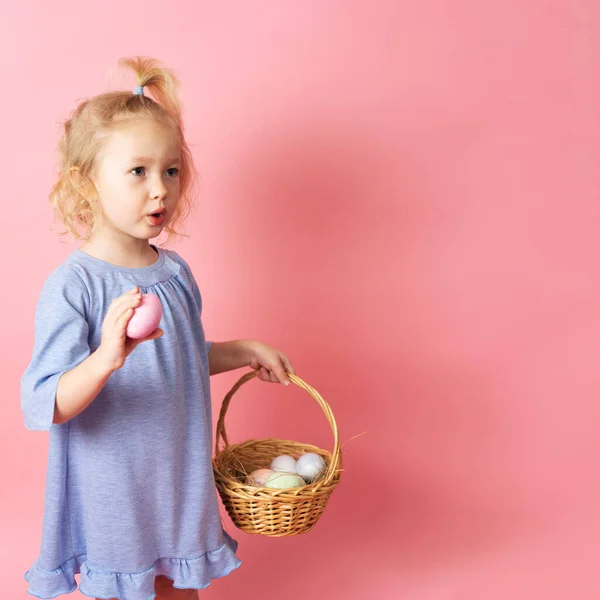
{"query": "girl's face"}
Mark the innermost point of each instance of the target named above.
(137, 178)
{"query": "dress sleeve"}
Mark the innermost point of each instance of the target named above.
(196, 291)
(60, 344)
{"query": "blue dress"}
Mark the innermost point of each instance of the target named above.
(130, 492)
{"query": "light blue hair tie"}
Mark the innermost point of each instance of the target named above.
(139, 90)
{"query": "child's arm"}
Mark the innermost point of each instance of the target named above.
(271, 364)
(228, 356)
(64, 375)
(78, 387)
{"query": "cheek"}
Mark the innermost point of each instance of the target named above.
(114, 188)
(120, 198)
(130, 193)
(174, 187)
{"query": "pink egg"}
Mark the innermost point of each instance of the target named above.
(146, 317)
(259, 476)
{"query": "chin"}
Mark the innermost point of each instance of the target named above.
(151, 232)
(142, 236)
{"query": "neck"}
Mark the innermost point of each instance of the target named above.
(120, 249)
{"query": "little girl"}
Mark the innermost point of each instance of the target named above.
(130, 499)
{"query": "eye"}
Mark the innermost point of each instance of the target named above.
(173, 172)
(137, 169)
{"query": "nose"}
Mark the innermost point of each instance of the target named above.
(159, 190)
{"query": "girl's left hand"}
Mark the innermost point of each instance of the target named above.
(272, 365)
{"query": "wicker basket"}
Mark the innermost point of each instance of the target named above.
(268, 511)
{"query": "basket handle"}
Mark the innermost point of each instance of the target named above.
(335, 455)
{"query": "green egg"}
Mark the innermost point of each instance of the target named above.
(284, 480)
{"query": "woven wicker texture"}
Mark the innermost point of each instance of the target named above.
(267, 511)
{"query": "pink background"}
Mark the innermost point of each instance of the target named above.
(402, 196)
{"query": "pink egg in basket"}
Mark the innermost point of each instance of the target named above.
(259, 476)
(146, 317)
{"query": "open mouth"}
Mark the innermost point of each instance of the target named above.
(157, 218)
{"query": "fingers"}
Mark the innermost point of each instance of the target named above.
(282, 368)
(153, 336)
(125, 298)
(287, 365)
(132, 343)
(122, 304)
(280, 375)
(123, 319)
(123, 308)
(276, 375)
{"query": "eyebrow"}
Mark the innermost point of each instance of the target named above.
(147, 159)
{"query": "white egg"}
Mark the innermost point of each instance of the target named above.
(284, 463)
(310, 465)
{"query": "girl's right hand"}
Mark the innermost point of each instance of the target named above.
(115, 346)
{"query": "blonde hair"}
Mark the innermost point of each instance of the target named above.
(83, 135)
